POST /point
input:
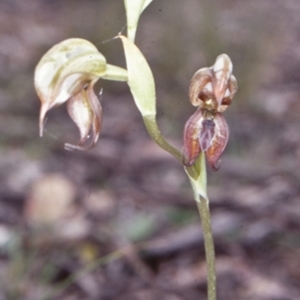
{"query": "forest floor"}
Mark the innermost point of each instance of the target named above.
(119, 221)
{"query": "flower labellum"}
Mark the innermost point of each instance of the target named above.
(211, 90)
(68, 73)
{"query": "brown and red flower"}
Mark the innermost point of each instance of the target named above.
(211, 90)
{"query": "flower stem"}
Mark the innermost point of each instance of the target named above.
(154, 132)
(198, 180)
(203, 208)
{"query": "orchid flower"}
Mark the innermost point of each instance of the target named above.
(68, 73)
(211, 90)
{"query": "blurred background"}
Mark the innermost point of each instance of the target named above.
(119, 221)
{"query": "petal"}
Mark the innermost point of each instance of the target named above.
(64, 70)
(81, 113)
(206, 134)
(222, 70)
(201, 88)
(191, 145)
(43, 111)
(97, 114)
(229, 94)
(68, 57)
(85, 110)
(219, 142)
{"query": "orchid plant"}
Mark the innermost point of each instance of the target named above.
(69, 71)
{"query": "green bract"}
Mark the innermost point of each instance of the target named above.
(198, 178)
(140, 78)
(134, 9)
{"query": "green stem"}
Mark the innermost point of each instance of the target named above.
(197, 175)
(154, 132)
(203, 207)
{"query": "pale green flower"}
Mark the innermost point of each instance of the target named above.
(67, 73)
